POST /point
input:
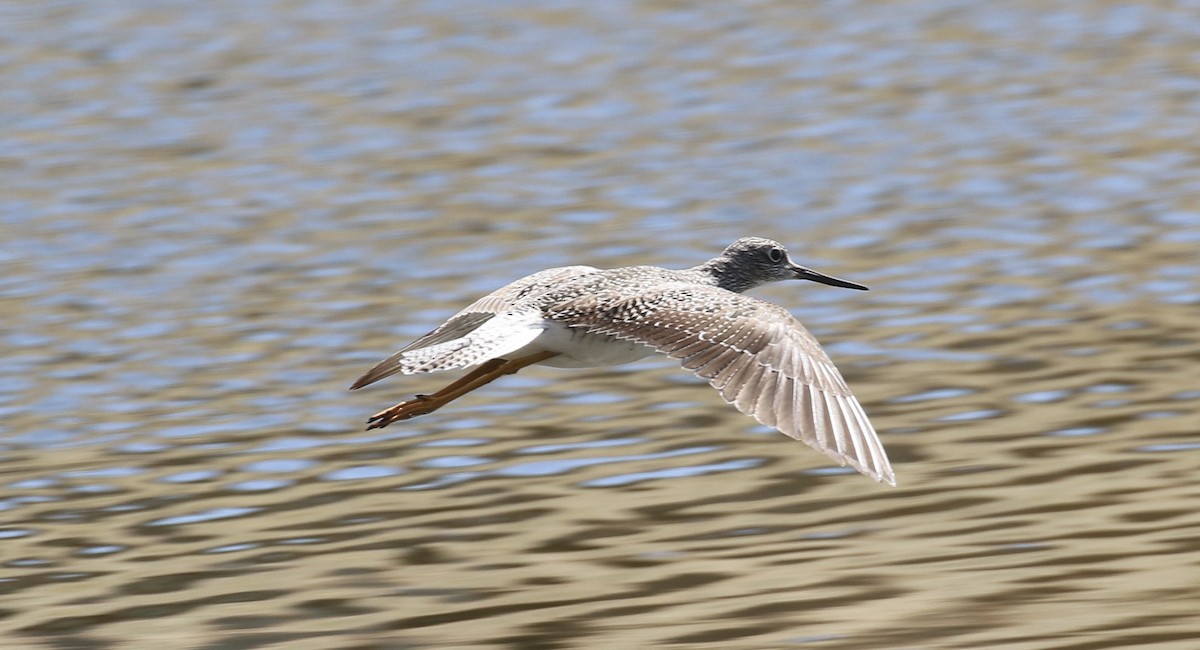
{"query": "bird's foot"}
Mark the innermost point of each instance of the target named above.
(419, 405)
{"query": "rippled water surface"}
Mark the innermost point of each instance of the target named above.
(217, 215)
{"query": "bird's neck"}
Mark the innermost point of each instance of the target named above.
(721, 272)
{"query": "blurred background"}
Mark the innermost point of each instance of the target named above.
(215, 216)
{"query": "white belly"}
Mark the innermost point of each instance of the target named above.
(578, 349)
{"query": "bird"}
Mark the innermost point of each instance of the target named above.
(758, 356)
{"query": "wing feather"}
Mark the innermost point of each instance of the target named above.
(471, 318)
(758, 356)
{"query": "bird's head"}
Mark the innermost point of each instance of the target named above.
(753, 261)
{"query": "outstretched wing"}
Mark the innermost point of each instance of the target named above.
(472, 318)
(756, 354)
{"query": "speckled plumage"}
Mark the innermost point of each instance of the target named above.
(759, 357)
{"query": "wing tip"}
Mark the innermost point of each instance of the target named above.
(880, 474)
(887, 478)
(385, 368)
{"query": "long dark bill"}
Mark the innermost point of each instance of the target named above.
(809, 274)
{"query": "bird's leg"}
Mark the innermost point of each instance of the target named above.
(481, 376)
(422, 404)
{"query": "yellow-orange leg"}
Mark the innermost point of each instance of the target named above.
(481, 376)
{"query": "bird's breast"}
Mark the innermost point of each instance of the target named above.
(577, 348)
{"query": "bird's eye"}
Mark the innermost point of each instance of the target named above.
(776, 255)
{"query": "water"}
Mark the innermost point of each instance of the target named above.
(216, 216)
